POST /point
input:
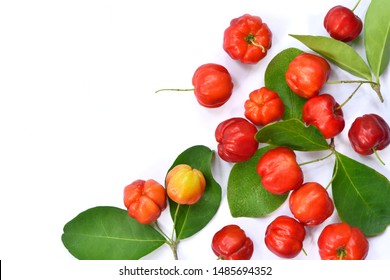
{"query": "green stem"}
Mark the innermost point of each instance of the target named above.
(251, 39)
(174, 250)
(304, 251)
(157, 226)
(175, 89)
(375, 85)
(169, 241)
(349, 98)
(336, 168)
(377, 88)
(173, 242)
(351, 82)
(357, 4)
(378, 157)
(316, 160)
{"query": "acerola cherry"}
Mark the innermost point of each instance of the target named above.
(185, 185)
(145, 200)
(236, 139)
(263, 106)
(212, 83)
(368, 134)
(325, 113)
(247, 39)
(306, 74)
(284, 237)
(342, 24)
(310, 204)
(340, 241)
(231, 243)
(279, 170)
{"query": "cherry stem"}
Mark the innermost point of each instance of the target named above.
(351, 82)
(172, 243)
(251, 39)
(375, 86)
(341, 252)
(349, 98)
(175, 89)
(377, 156)
(357, 4)
(304, 251)
(316, 160)
(336, 168)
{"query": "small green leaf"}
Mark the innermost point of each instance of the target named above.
(361, 195)
(246, 195)
(275, 79)
(377, 35)
(108, 233)
(340, 53)
(294, 134)
(192, 218)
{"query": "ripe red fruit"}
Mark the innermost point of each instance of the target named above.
(342, 242)
(236, 139)
(263, 106)
(231, 243)
(284, 237)
(247, 39)
(368, 133)
(325, 113)
(310, 204)
(279, 170)
(213, 85)
(306, 74)
(342, 24)
(145, 200)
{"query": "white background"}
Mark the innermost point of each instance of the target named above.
(79, 118)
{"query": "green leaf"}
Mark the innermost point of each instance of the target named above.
(294, 134)
(361, 195)
(246, 195)
(377, 35)
(108, 233)
(192, 218)
(275, 80)
(340, 53)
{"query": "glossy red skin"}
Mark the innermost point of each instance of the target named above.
(145, 200)
(342, 242)
(231, 243)
(263, 106)
(279, 171)
(284, 237)
(237, 43)
(368, 133)
(342, 24)
(310, 204)
(322, 111)
(213, 85)
(306, 74)
(236, 139)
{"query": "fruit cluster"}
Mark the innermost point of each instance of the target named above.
(247, 40)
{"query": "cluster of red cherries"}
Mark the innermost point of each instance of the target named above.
(247, 39)
(280, 173)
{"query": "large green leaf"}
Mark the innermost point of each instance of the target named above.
(294, 134)
(246, 195)
(192, 218)
(340, 53)
(361, 195)
(377, 35)
(108, 233)
(275, 80)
